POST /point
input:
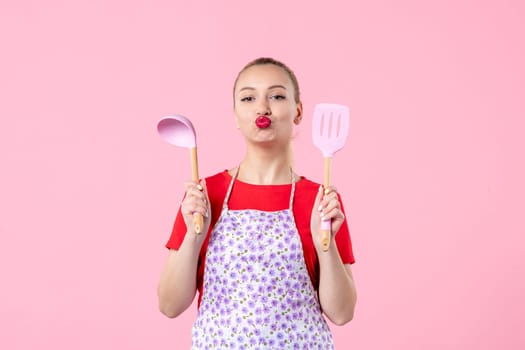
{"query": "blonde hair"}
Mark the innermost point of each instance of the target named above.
(268, 60)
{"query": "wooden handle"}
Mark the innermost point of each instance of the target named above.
(197, 218)
(326, 227)
(325, 235)
(327, 169)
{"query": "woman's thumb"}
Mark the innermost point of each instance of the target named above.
(202, 182)
(318, 198)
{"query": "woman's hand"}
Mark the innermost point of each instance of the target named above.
(326, 206)
(196, 200)
(337, 292)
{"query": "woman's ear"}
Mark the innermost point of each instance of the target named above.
(299, 116)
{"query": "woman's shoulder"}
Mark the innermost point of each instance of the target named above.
(307, 185)
(217, 185)
(218, 182)
(305, 191)
(218, 178)
(309, 188)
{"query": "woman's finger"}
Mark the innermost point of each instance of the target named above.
(329, 200)
(195, 200)
(205, 193)
(330, 189)
(195, 193)
(332, 214)
(318, 200)
(194, 207)
(330, 207)
(190, 184)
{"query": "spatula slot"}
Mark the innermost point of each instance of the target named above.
(330, 125)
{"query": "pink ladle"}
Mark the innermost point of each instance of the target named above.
(178, 131)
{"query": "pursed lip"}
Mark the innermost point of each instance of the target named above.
(263, 121)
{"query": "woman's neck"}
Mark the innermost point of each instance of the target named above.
(266, 166)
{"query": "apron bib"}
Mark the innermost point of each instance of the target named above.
(257, 293)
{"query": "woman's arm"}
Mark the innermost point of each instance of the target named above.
(178, 280)
(337, 292)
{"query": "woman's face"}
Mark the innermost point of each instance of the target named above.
(266, 90)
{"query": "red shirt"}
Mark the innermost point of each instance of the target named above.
(268, 198)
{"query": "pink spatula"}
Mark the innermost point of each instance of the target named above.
(178, 131)
(329, 133)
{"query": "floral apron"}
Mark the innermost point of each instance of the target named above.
(257, 293)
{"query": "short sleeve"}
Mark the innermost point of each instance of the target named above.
(178, 232)
(343, 241)
(216, 185)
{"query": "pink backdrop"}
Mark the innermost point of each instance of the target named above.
(432, 177)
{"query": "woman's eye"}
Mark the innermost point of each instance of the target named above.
(247, 99)
(278, 97)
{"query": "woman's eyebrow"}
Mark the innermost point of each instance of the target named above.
(270, 87)
(277, 86)
(246, 88)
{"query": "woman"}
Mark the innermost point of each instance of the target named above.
(263, 279)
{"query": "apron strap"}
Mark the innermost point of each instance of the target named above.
(228, 193)
(293, 190)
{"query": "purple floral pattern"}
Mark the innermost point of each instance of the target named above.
(257, 291)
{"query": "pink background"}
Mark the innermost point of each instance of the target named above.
(432, 176)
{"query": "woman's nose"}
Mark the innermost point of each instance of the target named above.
(263, 108)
